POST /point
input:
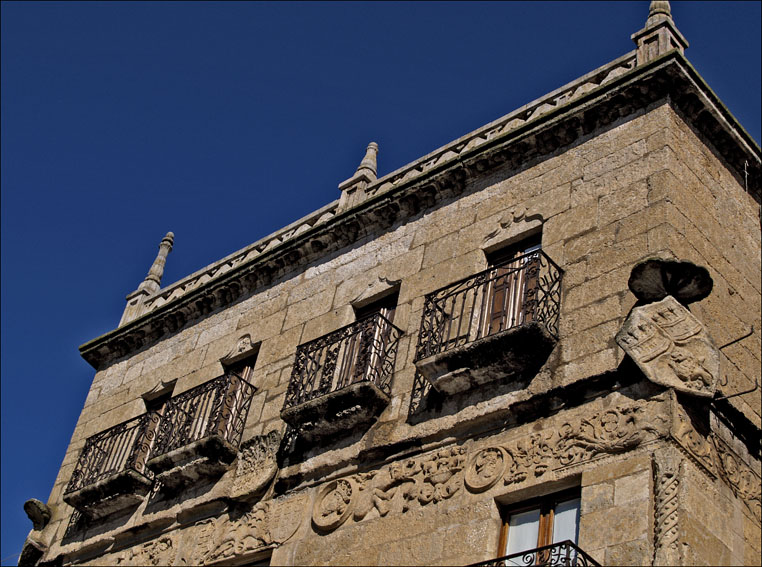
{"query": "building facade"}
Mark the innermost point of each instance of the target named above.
(540, 341)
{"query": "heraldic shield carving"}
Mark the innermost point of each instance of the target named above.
(671, 347)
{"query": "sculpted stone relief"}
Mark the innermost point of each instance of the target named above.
(696, 445)
(671, 347)
(265, 524)
(160, 551)
(719, 460)
(610, 431)
(440, 475)
(432, 478)
(256, 465)
(739, 477)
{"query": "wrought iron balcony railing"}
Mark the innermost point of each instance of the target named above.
(120, 448)
(364, 351)
(218, 407)
(523, 290)
(565, 554)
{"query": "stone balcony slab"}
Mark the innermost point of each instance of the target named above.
(339, 411)
(199, 461)
(117, 492)
(514, 351)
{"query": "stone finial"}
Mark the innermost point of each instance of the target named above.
(152, 283)
(659, 35)
(353, 189)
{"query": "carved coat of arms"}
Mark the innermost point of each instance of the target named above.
(671, 347)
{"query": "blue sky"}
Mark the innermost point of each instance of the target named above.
(226, 121)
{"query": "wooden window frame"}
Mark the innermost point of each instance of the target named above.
(505, 300)
(547, 505)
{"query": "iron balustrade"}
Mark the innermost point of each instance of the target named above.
(218, 407)
(564, 553)
(522, 290)
(122, 447)
(364, 351)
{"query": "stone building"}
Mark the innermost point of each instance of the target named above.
(543, 335)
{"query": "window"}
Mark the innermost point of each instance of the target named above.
(539, 523)
(342, 380)
(508, 284)
(362, 355)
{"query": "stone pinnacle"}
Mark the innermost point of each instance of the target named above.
(368, 163)
(152, 283)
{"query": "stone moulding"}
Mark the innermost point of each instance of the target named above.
(599, 99)
(667, 474)
(444, 473)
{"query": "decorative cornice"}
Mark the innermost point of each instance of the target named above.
(595, 101)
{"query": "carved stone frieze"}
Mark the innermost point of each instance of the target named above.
(719, 460)
(671, 347)
(741, 479)
(439, 475)
(256, 465)
(160, 551)
(575, 441)
(434, 477)
(263, 525)
(696, 445)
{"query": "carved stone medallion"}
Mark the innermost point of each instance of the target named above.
(671, 347)
(333, 505)
(286, 517)
(485, 469)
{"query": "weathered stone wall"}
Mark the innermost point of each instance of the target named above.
(645, 186)
(716, 224)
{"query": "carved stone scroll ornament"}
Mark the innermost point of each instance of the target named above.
(609, 431)
(256, 465)
(431, 478)
(439, 475)
(671, 347)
